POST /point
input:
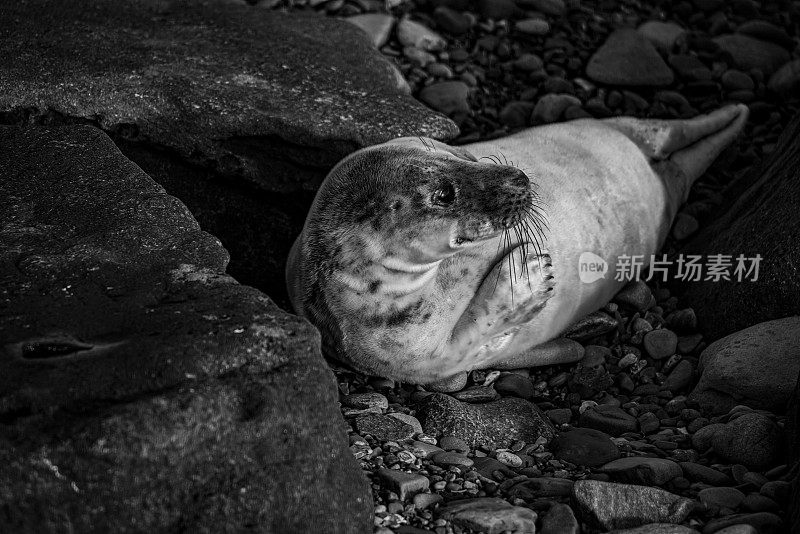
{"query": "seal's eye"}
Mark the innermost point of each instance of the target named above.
(444, 194)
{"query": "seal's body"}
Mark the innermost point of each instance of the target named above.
(420, 262)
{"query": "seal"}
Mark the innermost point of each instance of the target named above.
(419, 261)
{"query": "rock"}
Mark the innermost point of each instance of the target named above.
(689, 67)
(609, 505)
(250, 98)
(425, 500)
(447, 97)
(499, 422)
(642, 470)
(498, 9)
(749, 53)
(420, 449)
(763, 30)
(452, 443)
(535, 27)
(704, 437)
(752, 440)
(477, 394)
(757, 366)
(662, 35)
(628, 58)
(716, 498)
(366, 401)
(707, 475)
(383, 427)
(786, 80)
(550, 107)
(161, 391)
(636, 296)
(559, 416)
(758, 503)
(548, 7)
(378, 26)
(584, 446)
(514, 385)
(541, 487)
(451, 21)
(447, 459)
(487, 466)
(680, 378)
(418, 57)
(685, 225)
(740, 528)
(492, 516)
(410, 420)
(660, 343)
(736, 80)
(764, 523)
(403, 484)
(656, 528)
(528, 62)
(516, 114)
(411, 33)
(609, 419)
(559, 520)
(509, 458)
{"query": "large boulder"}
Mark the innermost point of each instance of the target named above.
(141, 388)
(213, 98)
(759, 223)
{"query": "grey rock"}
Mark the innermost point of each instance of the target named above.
(660, 343)
(628, 58)
(786, 80)
(609, 419)
(750, 53)
(550, 107)
(411, 33)
(656, 528)
(752, 440)
(703, 439)
(492, 516)
(663, 35)
(560, 519)
(761, 29)
(541, 487)
(763, 522)
(637, 296)
(610, 505)
(536, 27)
(448, 97)
(724, 497)
(410, 420)
(170, 395)
(756, 366)
(708, 475)
(404, 484)
(642, 470)
(548, 7)
(594, 324)
(679, 378)
(383, 427)
(500, 422)
(584, 446)
(378, 26)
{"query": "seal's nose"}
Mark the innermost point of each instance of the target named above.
(519, 178)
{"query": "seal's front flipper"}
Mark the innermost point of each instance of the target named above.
(658, 139)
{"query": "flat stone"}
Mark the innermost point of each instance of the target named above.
(741, 528)
(500, 422)
(378, 26)
(550, 107)
(559, 416)
(161, 391)
(560, 519)
(763, 522)
(703, 439)
(610, 505)
(451, 458)
(660, 343)
(752, 440)
(750, 53)
(761, 29)
(410, 420)
(757, 366)
(759, 503)
(420, 449)
(662, 35)
(403, 484)
(786, 80)
(642, 470)
(447, 97)
(612, 420)
(411, 33)
(636, 296)
(383, 427)
(490, 516)
(366, 401)
(536, 27)
(584, 446)
(548, 7)
(723, 497)
(628, 58)
(689, 67)
(426, 500)
(487, 466)
(708, 475)
(656, 528)
(541, 487)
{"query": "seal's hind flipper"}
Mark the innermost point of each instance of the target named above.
(659, 139)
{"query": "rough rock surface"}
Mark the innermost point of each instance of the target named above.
(492, 516)
(757, 366)
(628, 58)
(141, 388)
(212, 99)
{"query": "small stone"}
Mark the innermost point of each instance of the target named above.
(559, 416)
(682, 320)
(411, 33)
(593, 325)
(383, 427)
(656, 528)
(684, 226)
(786, 80)
(704, 437)
(509, 458)
(689, 67)
(628, 58)
(749, 53)
(758, 503)
(738, 529)
(498, 9)
(761, 29)
(541, 487)
(636, 295)
(550, 107)
(439, 70)
(426, 500)
(451, 21)
(548, 7)
(610, 505)
(707, 475)
(663, 35)
(560, 520)
(420, 449)
(477, 394)
(609, 419)
(536, 27)
(680, 377)
(734, 80)
(487, 466)
(451, 458)
(642, 470)
(777, 490)
(648, 422)
(488, 515)
(660, 343)
(528, 62)
(763, 522)
(447, 97)
(514, 385)
(409, 420)
(729, 498)
(364, 401)
(418, 57)
(452, 443)
(752, 440)
(378, 26)
(402, 483)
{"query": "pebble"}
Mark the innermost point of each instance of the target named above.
(761, 29)
(377, 25)
(612, 505)
(656, 528)
(426, 500)
(402, 483)
(729, 498)
(509, 458)
(477, 394)
(749, 53)
(366, 401)
(383, 427)
(500, 422)
(492, 516)
(734, 80)
(439, 70)
(498, 9)
(705, 474)
(550, 107)
(752, 440)
(559, 416)
(559, 519)
(411, 33)
(628, 58)
(487, 466)
(514, 385)
(451, 21)
(447, 97)
(660, 343)
(764, 523)
(663, 35)
(689, 67)
(541, 487)
(420, 449)
(738, 529)
(680, 377)
(451, 458)
(648, 422)
(758, 503)
(637, 296)
(535, 27)
(409, 420)
(786, 81)
(418, 57)
(777, 490)
(703, 438)
(642, 470)
(452, 443)
(609, 419)
(548, 7)
(682, 321)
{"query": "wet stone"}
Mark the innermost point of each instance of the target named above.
(452, 443)
(609, 419)
(636, 296)
(749, 53)
(383, 427)
(559, 519)
(723, 497)
(763, 522)
(541, 487)
(642, 470)
(377, 25)
(402, 483)
(488, 515)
